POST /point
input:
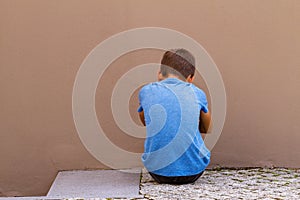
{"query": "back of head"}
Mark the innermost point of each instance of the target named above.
(178, 62)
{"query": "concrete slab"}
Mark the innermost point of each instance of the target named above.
(96, 184)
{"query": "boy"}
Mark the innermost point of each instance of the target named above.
(174, 112)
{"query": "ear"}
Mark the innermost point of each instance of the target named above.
(190, 79)
(159, 76)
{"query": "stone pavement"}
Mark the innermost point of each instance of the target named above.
(256, 183)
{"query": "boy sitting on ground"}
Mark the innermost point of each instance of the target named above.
(174, 112)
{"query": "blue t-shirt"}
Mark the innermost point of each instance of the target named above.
(173, 146)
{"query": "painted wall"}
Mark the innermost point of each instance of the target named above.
(255, 44)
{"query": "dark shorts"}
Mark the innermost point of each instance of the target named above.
(176, 180)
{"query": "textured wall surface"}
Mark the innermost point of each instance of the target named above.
(256, 45)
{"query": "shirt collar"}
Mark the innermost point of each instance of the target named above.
(172, 81)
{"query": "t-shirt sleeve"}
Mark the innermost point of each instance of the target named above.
(141, 97)
(203, 100)
(140, 109)
(204, 106)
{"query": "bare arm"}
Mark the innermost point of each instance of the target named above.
(142, 117)
(204, 122)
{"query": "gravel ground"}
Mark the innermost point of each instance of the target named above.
(258, 183)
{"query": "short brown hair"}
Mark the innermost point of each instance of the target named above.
(179, 62)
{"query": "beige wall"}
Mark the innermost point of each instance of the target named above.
(255, 44)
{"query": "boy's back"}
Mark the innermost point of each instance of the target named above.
(174, 146)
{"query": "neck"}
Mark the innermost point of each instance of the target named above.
(173, 76)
